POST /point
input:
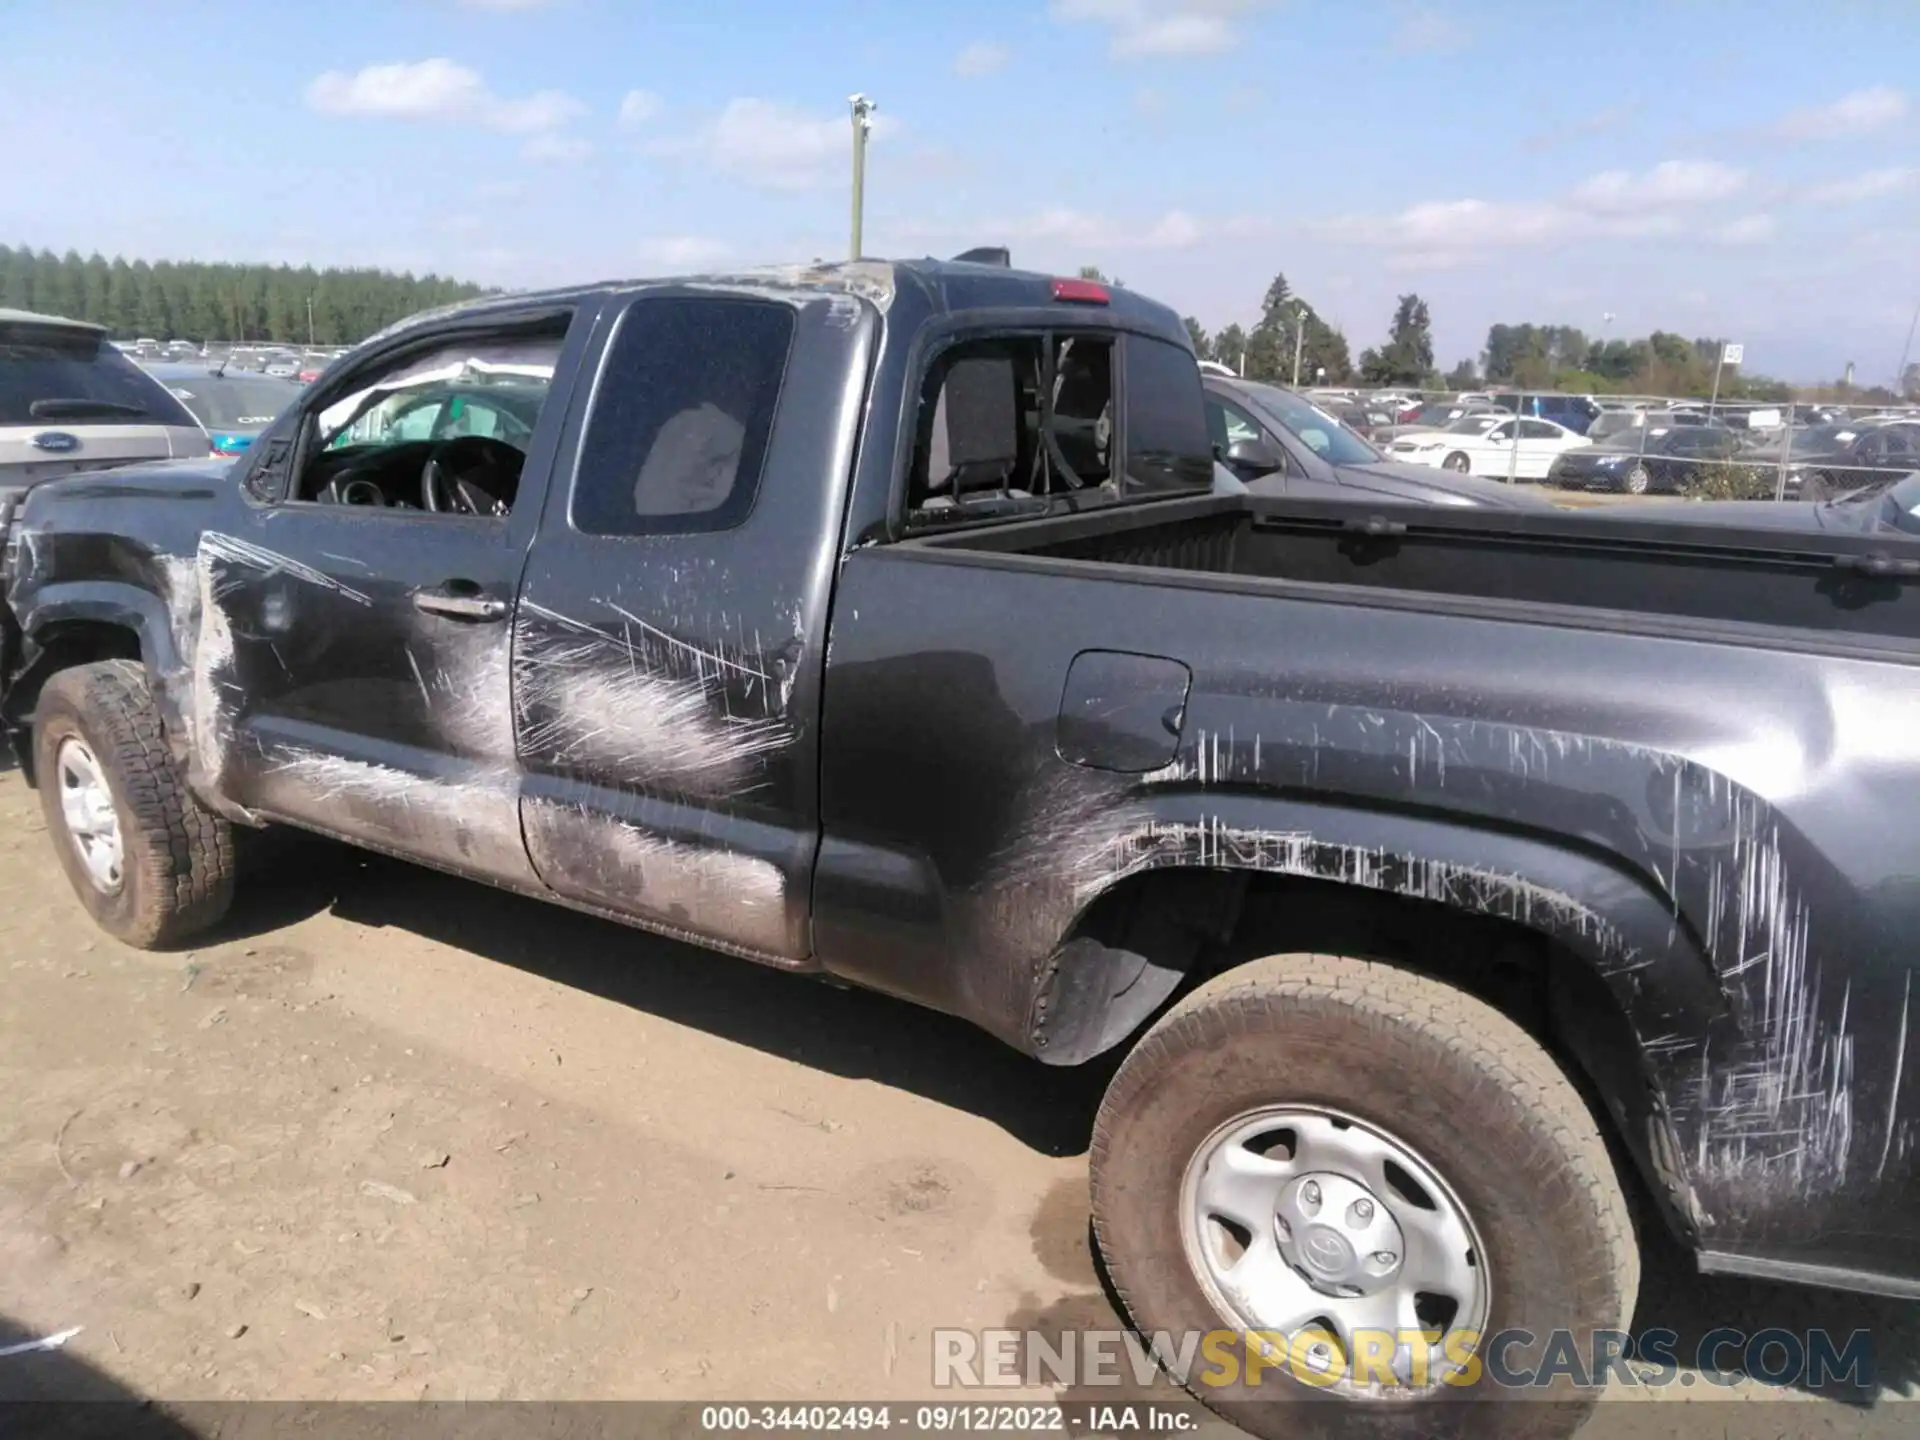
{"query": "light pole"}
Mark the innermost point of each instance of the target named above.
(310, 322)
(1299, 339)
(1900, 375)
(863, 109)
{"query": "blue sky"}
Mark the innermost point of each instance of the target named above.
(1746, 169)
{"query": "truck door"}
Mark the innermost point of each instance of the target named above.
(351, 671)
(672, 620)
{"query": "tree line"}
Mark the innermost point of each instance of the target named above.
(197, 300)
(1533, 357)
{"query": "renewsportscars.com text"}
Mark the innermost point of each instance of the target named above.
(1510, 1359)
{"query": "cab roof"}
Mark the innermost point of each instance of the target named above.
(944, 286)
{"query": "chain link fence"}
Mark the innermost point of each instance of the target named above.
(1703, 449)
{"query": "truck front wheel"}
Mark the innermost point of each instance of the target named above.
(148, 861)
(1349, 1180)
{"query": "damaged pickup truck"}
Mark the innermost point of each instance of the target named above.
(1451, 879)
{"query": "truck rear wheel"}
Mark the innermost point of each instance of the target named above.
(148, 861)
(1375, 1172)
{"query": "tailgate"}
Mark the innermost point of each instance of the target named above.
(30, 454)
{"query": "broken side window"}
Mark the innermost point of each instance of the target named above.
(1006, 423)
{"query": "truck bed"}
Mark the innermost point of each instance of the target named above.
(1595, 569)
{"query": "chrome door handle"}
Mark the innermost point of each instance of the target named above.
(459, 607)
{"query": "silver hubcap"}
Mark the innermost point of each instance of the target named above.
(86, 804)
(1340, 1237)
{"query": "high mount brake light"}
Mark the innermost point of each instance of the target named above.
(1081, 292)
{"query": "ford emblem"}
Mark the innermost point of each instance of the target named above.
(57, 442)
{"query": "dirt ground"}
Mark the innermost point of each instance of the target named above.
(390, 1135)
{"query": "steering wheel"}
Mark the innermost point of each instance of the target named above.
(444, 489)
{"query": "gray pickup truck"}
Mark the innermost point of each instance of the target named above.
(1451, 878)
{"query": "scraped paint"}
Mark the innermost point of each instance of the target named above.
(469, 820)
(645, 710)
(690, 887)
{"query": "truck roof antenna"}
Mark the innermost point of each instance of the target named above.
(986, 255)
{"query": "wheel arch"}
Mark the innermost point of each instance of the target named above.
(78, 624)
(1562, 939)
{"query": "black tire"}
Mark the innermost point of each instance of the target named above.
(1458, 462)
(176, 878)
(1637, 481)
(1400, 1052)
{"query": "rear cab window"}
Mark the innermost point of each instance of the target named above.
(56, 375)
(682, 448)
(1168, 447)
(1020, 423)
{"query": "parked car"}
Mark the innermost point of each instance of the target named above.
(1571, 412)
(1828, 460)
(1888, 508)
(70, 400)
(1365, 419)
(1438, 415)
(1513, 447)
(1279, 442)
(1688, 457)
(231, 407)
(1578, 848)
(1612, 422)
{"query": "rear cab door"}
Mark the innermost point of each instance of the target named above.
(671, 632)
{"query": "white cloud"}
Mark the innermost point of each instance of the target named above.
(545, 110)
(1424, 30)
(556, 149)
(1449, 227)
(1149, 100)
(1667, 200)
(682, 251)
(437, 89)
(773, 146)
(637, 107)
(1084, 231)
(980, 58)
(1747, 230)
(1860, 113)
(1161, 27)
(1870, 186)
(1175, 230)
(1671, 183)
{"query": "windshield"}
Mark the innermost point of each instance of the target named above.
(1902, 502)
(529, 364)
(1821, 437)
(1318, 430)
(231, 404)
(1474, 424)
